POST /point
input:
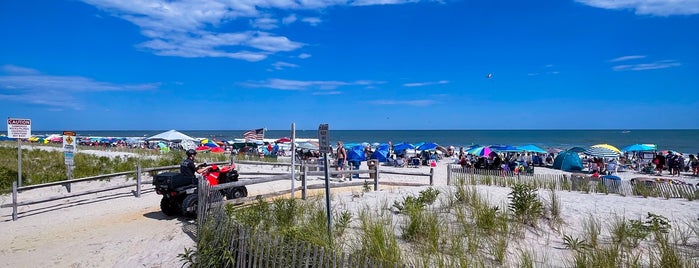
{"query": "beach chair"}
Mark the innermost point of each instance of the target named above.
(414, 162)
(399, 163)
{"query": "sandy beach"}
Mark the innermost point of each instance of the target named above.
(116, 229)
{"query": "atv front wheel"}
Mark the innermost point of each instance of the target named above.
(237, 192)
(189, 206)
(169, 207)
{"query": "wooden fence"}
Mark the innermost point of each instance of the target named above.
(139, 182)
(574, 182)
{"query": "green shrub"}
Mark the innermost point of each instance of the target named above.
(575, 243)
(525, 204)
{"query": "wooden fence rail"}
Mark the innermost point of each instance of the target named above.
(140, 182)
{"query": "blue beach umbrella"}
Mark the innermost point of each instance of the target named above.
(640, 148)
(427, 146)
(403, 146)
(504, 148)
(531, 148)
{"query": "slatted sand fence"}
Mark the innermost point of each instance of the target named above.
(645, 187)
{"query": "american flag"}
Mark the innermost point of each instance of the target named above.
(255, 134)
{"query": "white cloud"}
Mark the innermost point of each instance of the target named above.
(381, 2)
(649, 7)
(313, 21)
(625, 58)
(13, 69)
(284, 84)
(422, 84)
(326, 93)
(280, 65)
(289, 19)
(271, 43)
(304, 56)
(403, 102)
(195, 28)
(647, 66)
(59, 91)
(265, 23)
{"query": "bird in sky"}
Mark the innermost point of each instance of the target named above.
(490, 75)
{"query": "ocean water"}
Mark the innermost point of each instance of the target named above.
(686, 141)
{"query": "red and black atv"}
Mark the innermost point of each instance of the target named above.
(180, 193)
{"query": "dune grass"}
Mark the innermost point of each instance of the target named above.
(458, 227)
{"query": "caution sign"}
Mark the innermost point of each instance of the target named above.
(69, 147)
(19, 128)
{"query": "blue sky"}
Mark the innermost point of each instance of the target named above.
(362, 64)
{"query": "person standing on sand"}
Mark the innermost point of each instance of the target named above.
(661, 163)
(341, 158)
(693, 164)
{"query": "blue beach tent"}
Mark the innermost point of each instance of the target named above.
(381, 153)
(568, 161)
(356, 153)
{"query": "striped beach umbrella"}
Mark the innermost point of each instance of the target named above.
(601, 152)
(607, 146)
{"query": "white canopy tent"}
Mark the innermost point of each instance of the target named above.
(171, 136)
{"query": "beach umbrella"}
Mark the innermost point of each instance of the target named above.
(427, 146)
(607, 146)
(217, 150)
(577, 149)
(480, 151)
(504, 148)
(307, 145)
(209, 143)
(640, 148)
(531, 148)
(554, 150)
(403, 146)
(203, 148)
(600, 152)
(283, 140)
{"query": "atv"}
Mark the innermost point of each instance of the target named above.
(180, 193)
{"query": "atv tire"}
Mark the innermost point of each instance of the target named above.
(237, 192)
(189, 206)
(168, 207)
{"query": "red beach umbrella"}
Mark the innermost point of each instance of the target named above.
(283, 140)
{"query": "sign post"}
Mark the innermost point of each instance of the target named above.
(324, 142)
(293, 159)
(18, 128)
(69, 152)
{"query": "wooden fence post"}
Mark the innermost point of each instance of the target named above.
(376, 177)
(431, 176)
(449, 174)
(304, 188)
(138, 180)
(14, 201)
